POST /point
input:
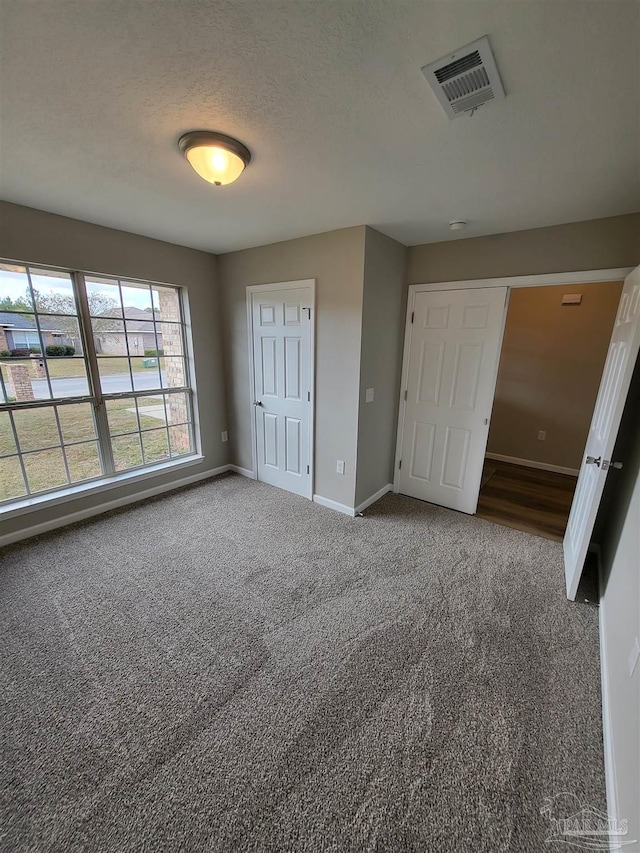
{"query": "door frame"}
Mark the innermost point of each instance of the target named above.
(266, 288)
(510, 282)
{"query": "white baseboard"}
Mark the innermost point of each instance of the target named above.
(529, 463)
(343, 508)
(244, 472)
(81, 514)
(607, 729)
(376, 497)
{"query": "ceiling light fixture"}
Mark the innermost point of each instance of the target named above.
(217, 158)
(457, 225)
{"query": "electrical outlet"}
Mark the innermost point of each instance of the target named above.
(542, 434)
(225, 436)
(368, 397)
(340, 466)
(634, 654)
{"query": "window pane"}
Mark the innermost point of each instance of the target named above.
(122, 416)
(45, 469)
(171, 334)
(177, 408)
(136, 298)
(114, 375)
(155, 446)
(53, 292)
(103, 296)
(174, 372)
(11, 479)
(83, 461)
(166, 302)
(21, 332)
(180, 439)
(7, 441)
(68, 377)
(140, 336)
(127, 452)
(60, 331)
(36, 428)
(76, 422)
(14, 290)
(109, 337)
(146, 374)
(152, 412)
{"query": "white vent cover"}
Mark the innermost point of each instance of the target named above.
(466, 79)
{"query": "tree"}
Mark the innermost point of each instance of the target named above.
(64, 304)
(19, 304)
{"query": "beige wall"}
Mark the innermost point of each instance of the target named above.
(592, 245)
(336, 261)
(383, 314)
(550, 369)
(43, 238)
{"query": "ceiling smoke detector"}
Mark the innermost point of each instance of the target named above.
(465, 79)
(457, 225)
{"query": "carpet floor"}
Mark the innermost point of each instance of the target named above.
(231, 667)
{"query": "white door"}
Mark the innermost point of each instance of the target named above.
(282, 353)
(454, 348)
(614, 386)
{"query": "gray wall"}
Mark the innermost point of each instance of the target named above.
(618, 533)
(44, 238)
(336, 261)
(383, 316)
(550, 369)
(592, 245)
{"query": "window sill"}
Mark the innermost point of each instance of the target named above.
(27, 505)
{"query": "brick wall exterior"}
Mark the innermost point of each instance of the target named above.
(18, 376)
(172, 344)
(3, 339)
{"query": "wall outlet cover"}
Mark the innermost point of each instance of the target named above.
(340, 466)
(368, 397)
(542, 434)
(225, 436)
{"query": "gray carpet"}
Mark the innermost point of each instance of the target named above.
(231, 667)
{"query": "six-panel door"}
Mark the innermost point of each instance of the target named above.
(607, 414)
(453, 357)
(282, 361)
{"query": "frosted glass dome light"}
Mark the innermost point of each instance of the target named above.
(217, 158)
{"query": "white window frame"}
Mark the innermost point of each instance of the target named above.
(109, 478)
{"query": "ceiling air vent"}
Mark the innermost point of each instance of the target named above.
(466, 79)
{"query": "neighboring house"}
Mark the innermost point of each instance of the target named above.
(20, 332)
(140, 335)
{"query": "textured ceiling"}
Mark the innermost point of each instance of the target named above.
(329, 97)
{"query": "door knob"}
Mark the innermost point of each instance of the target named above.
(257, 402)
(591, 460)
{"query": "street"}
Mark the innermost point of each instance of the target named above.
(78, 387)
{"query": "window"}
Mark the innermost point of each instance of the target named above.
(94, 378)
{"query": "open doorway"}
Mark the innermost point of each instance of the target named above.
(553, 354)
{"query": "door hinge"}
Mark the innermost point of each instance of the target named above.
(308, 469)
(309, 314)
(413, 314)
(308, 396)
(400, 464)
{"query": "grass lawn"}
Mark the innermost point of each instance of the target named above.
(45, 469)
(73, 366)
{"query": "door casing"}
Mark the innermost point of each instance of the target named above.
(545, 280)
(266, 288)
